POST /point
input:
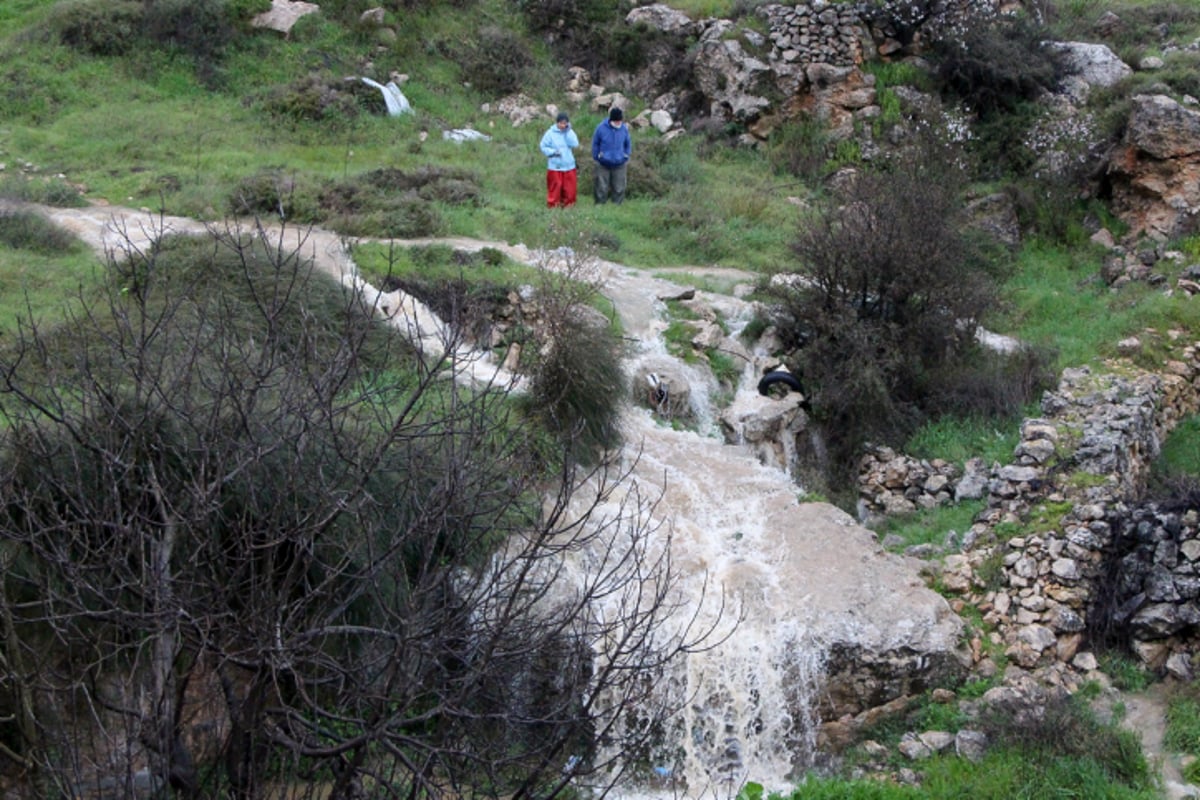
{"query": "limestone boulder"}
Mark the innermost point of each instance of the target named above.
(283, 15)
(1094, 64)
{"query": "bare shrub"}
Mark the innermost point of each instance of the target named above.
(253, 540)
(891, 295)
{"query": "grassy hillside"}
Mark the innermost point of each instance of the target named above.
(198, 114)
(158, 126)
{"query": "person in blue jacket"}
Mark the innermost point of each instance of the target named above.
(611, 145)
(557, 145)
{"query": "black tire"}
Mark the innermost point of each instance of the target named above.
(779, 377)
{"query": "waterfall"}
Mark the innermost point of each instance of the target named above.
(395, 100)
(748, 705)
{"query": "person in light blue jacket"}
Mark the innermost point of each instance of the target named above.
(558, 144)
(611, 146)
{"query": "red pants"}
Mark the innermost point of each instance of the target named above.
(560, 188)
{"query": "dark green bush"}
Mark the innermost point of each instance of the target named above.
(993, 68)
(273, 193)
(26, 230)
(199, 28)
(497, 62)
(452, 191)
(315, 97)
(578, 387)
(997, 70)
(100, 28)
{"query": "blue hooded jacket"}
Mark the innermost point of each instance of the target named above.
(556, 145)
(611, 146)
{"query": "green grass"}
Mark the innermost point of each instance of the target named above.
(1069, 754)
(190, 144)
(1056, 299)
(1183, 725)
(930, 526)
(1127, 674)
(1180, 453)
(957, 439)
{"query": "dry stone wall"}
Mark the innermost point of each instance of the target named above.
(1063, 556)
(815, 33)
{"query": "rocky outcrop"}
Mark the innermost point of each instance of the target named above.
(1155, 173)
(283, 15)
(769, 427)
(815, 33)
(1063, 555)
(810, 57)
(1086, 65)
(735, 83)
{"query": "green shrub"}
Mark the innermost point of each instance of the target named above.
(315, 97)
(272, 193)
(496, 62)
(995, 67)
(390, 179)
(26, 230)
(199, 28)
(998, 70)
(100, 27)
(1068, 729)
(48, 192)
(1180, 454)
(405, 216)
(578, 387)
(1183, 724)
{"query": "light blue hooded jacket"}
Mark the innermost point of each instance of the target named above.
(558, 147)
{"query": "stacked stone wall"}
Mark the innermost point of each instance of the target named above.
(1065, 556)
(815, 33)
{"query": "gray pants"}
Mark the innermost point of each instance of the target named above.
(610, 183)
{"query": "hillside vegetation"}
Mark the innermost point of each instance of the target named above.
(211, 388)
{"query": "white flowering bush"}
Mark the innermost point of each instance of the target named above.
(926, 21)
(1064, 143)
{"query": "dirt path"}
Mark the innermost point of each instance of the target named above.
(1145, 715)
